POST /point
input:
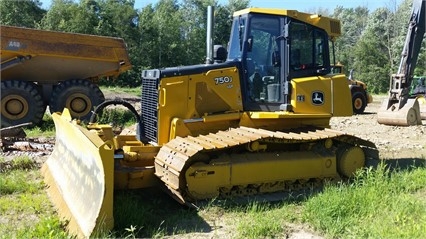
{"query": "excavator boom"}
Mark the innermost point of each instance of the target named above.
(400, 108)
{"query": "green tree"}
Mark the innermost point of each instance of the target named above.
(401, 27)
(162, 35)
(399, 24)
(147, 50)
(421, 62)
(222, 27)
(235, 5)
(68, 16)
(194, 27)
(353, 23)
(116, 18)
(26, 13)
(371, 52)
(223, 19)
(119, 18)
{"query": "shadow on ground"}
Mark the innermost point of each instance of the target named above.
(398, 164)
(150, 213)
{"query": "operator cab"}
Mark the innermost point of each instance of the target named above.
(274, 49)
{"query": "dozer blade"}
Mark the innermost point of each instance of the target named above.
(79, 175)
(409, 114)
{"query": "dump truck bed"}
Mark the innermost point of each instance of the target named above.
(49, 56)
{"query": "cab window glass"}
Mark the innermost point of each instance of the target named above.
(307, 46)
(262, 44)
(235, 47)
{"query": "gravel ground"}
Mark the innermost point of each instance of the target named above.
(393, 142)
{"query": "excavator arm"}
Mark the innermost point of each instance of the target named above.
(400, 108)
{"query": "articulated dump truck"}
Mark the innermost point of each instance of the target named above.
(251, 122)
(56, 69)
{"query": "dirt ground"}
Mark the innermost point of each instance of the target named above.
(393, 142)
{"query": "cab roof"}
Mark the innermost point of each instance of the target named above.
(330, 25)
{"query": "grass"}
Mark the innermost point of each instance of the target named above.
(133, 91)
(157, 215)
(25, 210)
(45, 129)
(117, 117)
(261, 220)
(378, 203)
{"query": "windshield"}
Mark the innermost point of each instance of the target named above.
(237, 34)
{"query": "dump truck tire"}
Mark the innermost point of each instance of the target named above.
(79, 96)
(21, 102)
(359, 102)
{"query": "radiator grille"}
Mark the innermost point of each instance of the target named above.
(149, 107)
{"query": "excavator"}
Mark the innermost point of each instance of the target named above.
(401, 107)
(254, 120)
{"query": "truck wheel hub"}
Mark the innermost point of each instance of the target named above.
(15, 106)
(79, 104)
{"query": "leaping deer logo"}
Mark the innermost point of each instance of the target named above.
(317, 98)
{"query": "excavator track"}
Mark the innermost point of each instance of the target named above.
(245, 161)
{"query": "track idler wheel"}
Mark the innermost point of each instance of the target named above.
(350, 159)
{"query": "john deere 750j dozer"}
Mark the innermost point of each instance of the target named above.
(253, 122)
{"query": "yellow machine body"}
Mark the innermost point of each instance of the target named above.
(66, 54)
(81, 175)
(360, 96)
(59, 69)
(250, 172)
(207, 132)
(189, 97)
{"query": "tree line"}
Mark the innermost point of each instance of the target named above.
(172, 32)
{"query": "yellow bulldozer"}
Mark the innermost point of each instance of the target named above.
(252, 121)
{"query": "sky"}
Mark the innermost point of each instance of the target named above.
(300, 5)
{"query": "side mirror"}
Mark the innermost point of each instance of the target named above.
(219, 53)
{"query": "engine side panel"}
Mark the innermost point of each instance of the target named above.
(322, 95)
(189, 95)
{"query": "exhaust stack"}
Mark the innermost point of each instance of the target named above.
(209, 37)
